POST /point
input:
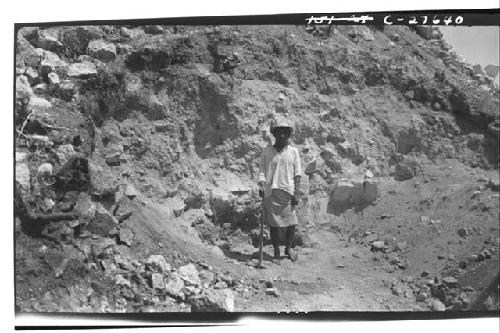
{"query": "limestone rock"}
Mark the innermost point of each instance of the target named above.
(220, 285)
(21, 156)
(32, 75)
(478, 69)
(220, 300)
(68, 88)
(113, 159)
(360, 32)
(163, 126)
(494, 184)
(53, 78)
(46, 205)
(310, 166)
(130, 191)
(126, 236)
(189, 274)
(157, 281)
(242, 248)
(370, 238)
(102, 180)
(45, 169)
(272, 291)
(102, 50)
(39, 103)
(85, 207)
(82, 70)
(207, 276)
(231, 183)
(491, 70)
(124, 48)
(158, 263)
(428, 32)
(23, 88)
(26, 54)
(437, 305)
(352, 194)
(23, 176)
(174, 206)
(121, 281)
(450, 281)
(103, 222)
(64, 153)
(40, 88)
(130, 33)
(49, 61)
(378, 245)
(47, 40)
(174, 286)
(102, 248)
(154, 29)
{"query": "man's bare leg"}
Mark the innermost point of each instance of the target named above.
(290, 236)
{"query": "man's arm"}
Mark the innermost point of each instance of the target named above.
(296, 193)
(296, 179)
(296, 182)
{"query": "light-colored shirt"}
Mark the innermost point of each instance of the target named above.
(278, 170)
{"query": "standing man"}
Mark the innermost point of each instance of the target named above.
(279, 181)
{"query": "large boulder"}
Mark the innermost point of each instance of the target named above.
(491, 70)
(230, 182)
(213, 300)
(82, 70)
(357, 194)
(102, 50)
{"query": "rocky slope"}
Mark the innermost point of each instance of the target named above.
(135, 142)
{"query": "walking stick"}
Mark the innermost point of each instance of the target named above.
(261, 240)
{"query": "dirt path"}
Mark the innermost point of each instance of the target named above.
(332, 276)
